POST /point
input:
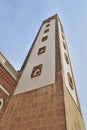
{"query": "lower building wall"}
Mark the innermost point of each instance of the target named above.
(73, 115)
(40, 109)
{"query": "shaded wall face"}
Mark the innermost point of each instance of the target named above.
(74, 120)
(73, 115)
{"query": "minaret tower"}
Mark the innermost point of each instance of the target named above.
(45, 97)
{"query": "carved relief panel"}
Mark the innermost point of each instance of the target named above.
(36, 71)
(42, 50)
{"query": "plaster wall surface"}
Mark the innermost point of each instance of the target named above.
(47, 60)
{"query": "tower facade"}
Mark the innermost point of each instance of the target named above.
(45, 97)
(8, 81)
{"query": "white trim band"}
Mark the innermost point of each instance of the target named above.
(4, 90)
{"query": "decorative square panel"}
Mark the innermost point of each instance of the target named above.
(44, 38)
(47, 25)
(36, 71)
(42, 50)
(47, 30)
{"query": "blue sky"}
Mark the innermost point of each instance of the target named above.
(20, 21)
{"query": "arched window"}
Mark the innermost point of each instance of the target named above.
(1, 103)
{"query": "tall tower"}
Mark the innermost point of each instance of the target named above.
(45, 97)
(8, 82)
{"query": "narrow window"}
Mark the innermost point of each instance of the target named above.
(44, 38)
(47, 30)
(66, 58)
(36, 71)
(64, 45)
(1, 103)
(70, 80)
(42, 50)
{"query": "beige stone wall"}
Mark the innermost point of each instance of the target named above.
(73, 115)
(40, 109)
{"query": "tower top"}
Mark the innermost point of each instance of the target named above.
(55, 16)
